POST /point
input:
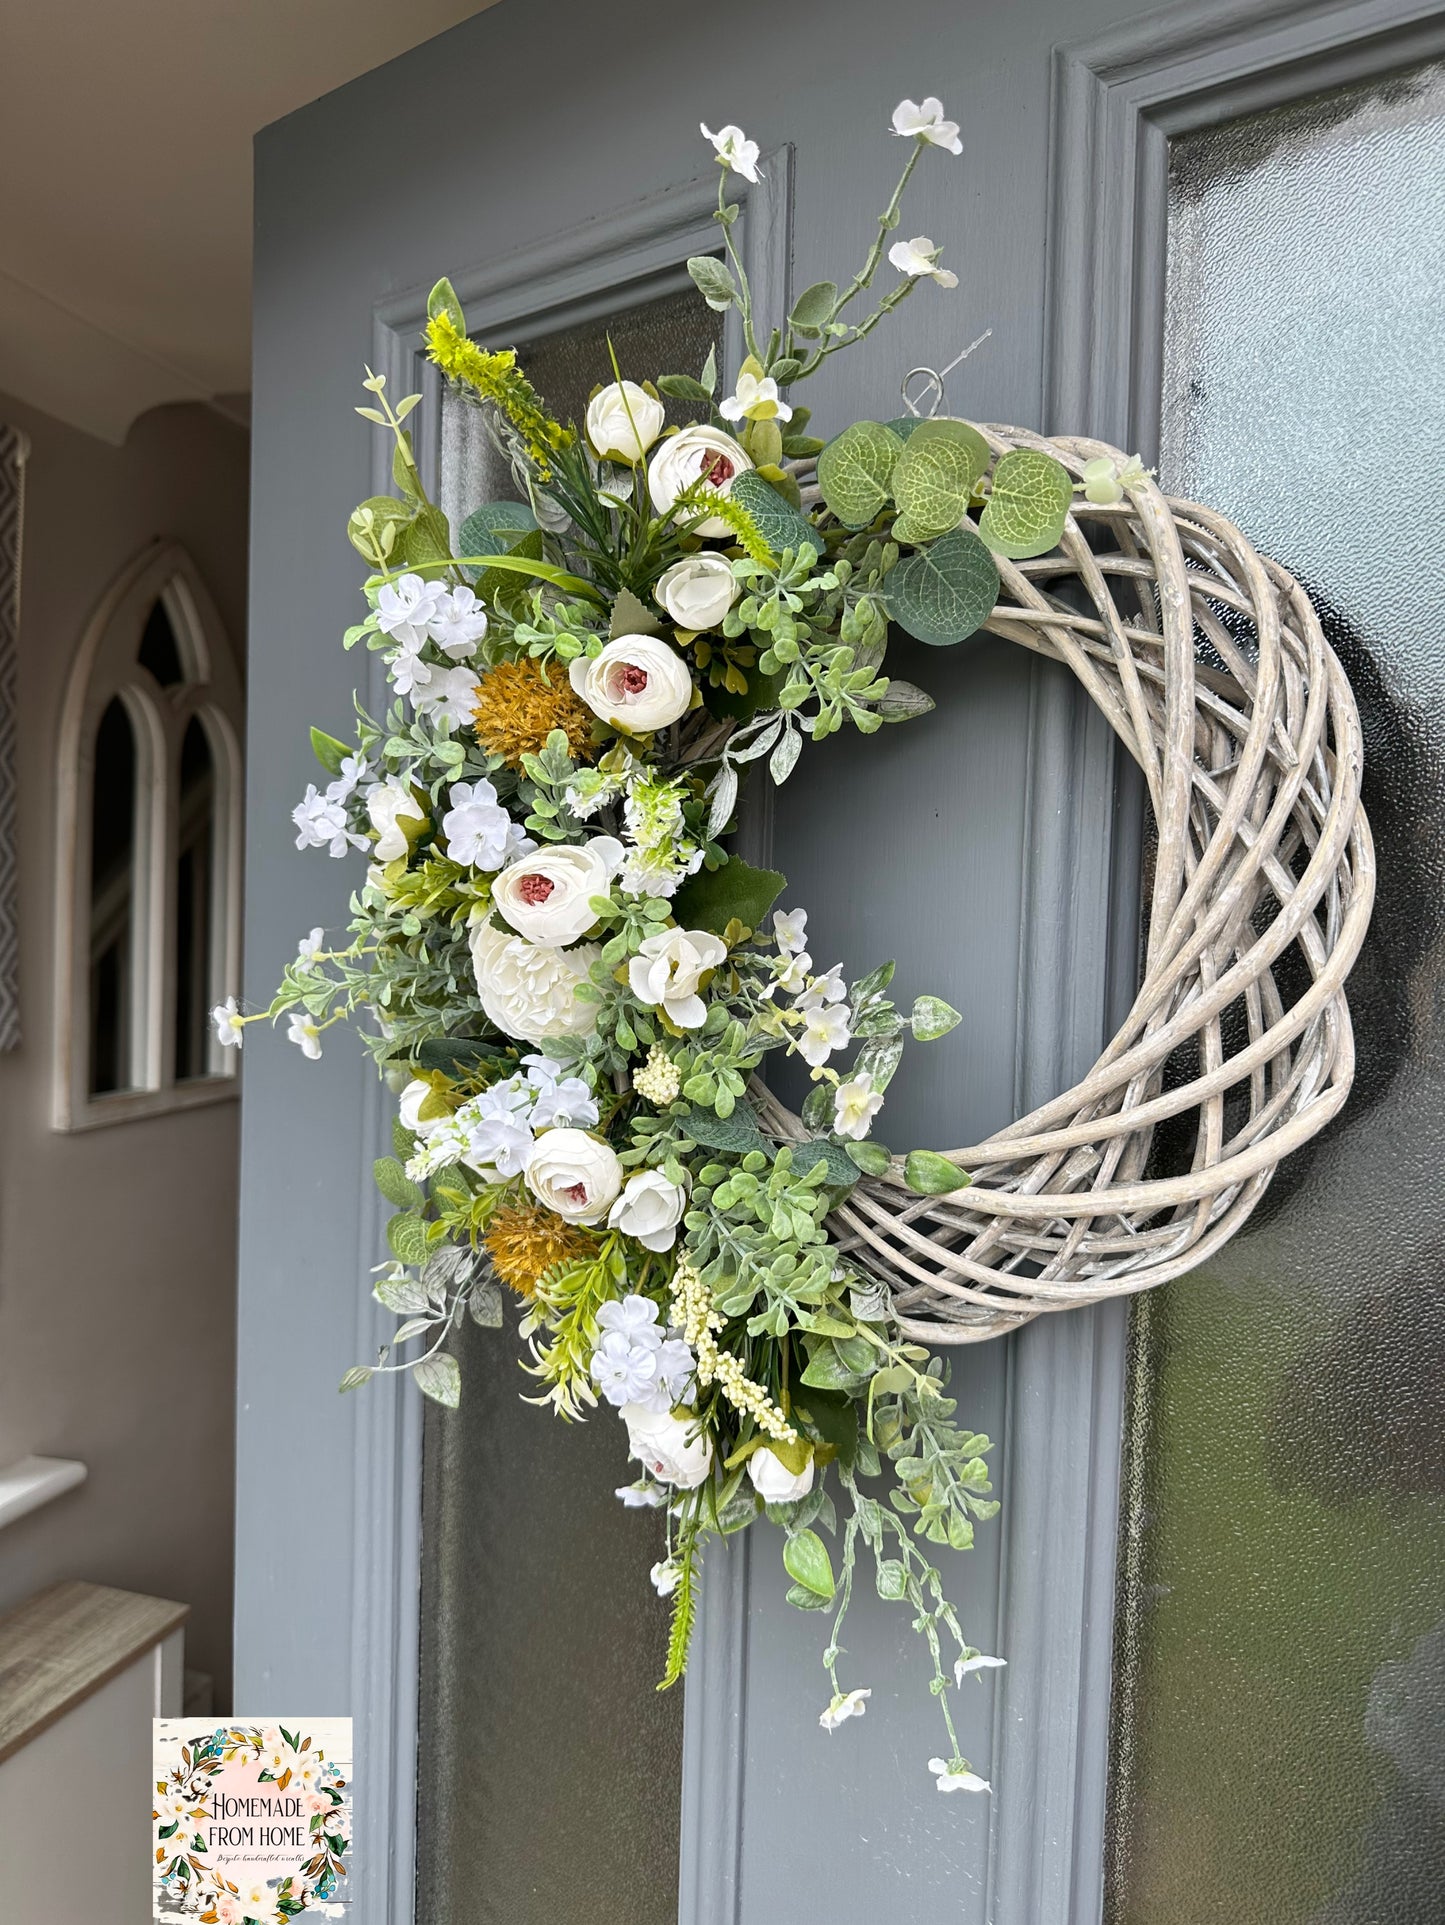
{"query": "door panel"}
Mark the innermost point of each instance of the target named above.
(1282, 1695)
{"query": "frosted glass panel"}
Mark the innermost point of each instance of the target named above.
(551, 1770)
(1280, 1698)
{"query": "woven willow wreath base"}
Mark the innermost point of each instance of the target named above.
(1210, 664)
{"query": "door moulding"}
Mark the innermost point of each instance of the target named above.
(636, 254)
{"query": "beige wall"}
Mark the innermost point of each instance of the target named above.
(117, 1245)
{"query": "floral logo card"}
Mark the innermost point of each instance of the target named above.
(252, 1820)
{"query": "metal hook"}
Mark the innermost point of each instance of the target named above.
(933, 380)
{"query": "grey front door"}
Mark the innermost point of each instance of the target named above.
(546, 156)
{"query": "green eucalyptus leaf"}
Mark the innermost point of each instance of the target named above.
(328, 751)
(930, 1174)
(813, 308)
(806, 1561)
(1029, 501)
(935, 474)
(713, 281)
(932, 1017)
(778, 521)
(714, 897)
(855, 472)
(439, 1378)
(872, 1158)
(946, 591)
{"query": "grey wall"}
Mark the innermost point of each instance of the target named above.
(117, 1245)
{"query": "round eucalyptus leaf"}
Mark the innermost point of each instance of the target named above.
(946, 591)
(855, 471)
(1028, 503)
(934, 477)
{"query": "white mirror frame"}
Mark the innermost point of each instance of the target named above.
(106, 668)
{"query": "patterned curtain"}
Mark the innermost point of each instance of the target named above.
(13, 449)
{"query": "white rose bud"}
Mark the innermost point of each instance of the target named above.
(637, 683)
(675, 1449)
(529, 990)
(623, 421)
(697, 591)
(650, 1209)
(412, 1098)
(391, 806)
(575, 1174)
(774, 1482)
(667, 969)
(546, 897)
(700, 453)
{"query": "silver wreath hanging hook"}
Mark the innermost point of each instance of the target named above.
(933, 381)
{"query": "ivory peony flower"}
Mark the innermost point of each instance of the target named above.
(397, 817)
(637, 683)
(623, 421)
(734, 149)
(923, 120)
(674, 1449)
(774, 1482)
(650, 1209)
(529, 990)
(547, 896)
(697, 591)
(700, 453)
(919, 257)
(668, 968)
(575, 1174)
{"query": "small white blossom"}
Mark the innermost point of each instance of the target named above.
(310, 946)
(844, 1705)
(827, 988)
(954, 1775)
(923, 120)
(321, 824)
(229, 1024)
(498, 1135)
(450, 695)
(559, 1099)
(305, 1035)
(459, 624)
(409, 674)
(790, 929)
(790, 973)
(479, 831)
(666, 1577)
(919, 258)
(624, 1371)
(825, 1030)
(855, 1104)
(756, 398)
(642, 1496)
(405, 609)
(978, 1662)
(734, 149)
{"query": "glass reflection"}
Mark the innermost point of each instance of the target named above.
(1281, 1679)
(195, 867)
(112, 901)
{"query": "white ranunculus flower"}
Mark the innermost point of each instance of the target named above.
(547, 896)
(637, 683)
(675, 1449)
(919, 258)
(412, 1097)
(391, 805)
(650, 1209)
(530, 990)
(623, 421)
(774, 1482)
(667, 969)
(575, 1174)
(923, 120)
(699, 453)
(697, 591)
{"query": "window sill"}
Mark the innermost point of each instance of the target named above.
(132, 1106)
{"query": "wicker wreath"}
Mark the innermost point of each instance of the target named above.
(1210, 664)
